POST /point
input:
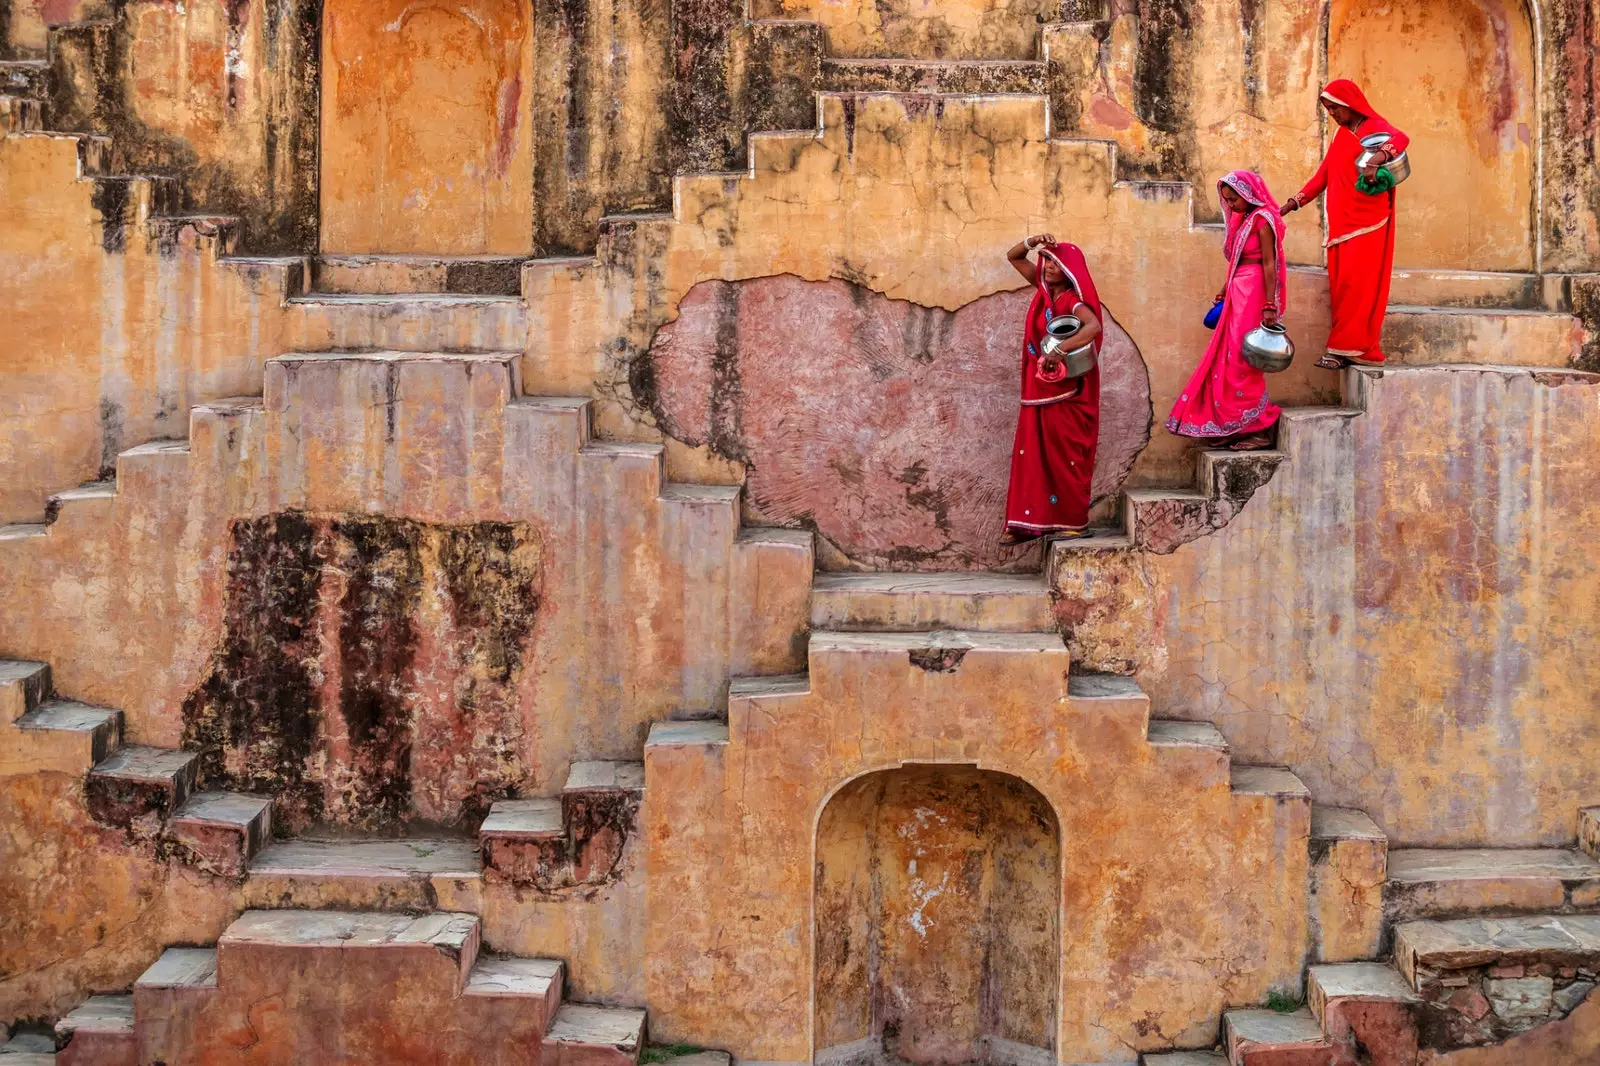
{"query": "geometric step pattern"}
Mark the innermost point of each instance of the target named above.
(555, 845)
(349, 987)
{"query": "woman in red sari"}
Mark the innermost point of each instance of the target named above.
(1225, 401)
(1360, 228)
(1052, 460)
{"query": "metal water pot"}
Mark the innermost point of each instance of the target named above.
(1057, 342)
(1399, 167)
(1268, 348)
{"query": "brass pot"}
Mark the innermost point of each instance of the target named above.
(1268, 348)
(1399, 167)
(1057, 340)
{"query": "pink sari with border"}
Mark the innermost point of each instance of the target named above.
(1226, 396)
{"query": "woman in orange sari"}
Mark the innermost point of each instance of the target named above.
(1058, 427)
(1360, 228)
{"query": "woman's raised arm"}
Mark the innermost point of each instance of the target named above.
(1018, 255)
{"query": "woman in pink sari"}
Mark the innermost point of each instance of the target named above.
(1226, 400)
(1058, 427)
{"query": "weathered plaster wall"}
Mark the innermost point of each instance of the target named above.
(1406, 633)
(969, 29)
(477, 639)
(221, 95)
(427, 144)
(116, 325)
(1471, 121)
(937, 898)
(884, 426)
(1178, 894)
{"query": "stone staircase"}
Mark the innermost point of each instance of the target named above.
(349, 986)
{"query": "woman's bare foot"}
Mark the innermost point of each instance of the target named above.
(1011, 538)
(1255, 442)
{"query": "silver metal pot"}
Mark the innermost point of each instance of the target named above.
(1057, 339)
(1268, 348)
(1399, 166)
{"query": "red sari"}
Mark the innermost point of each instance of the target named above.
(1360, 231)
(1052, 460)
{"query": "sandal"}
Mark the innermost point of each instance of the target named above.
(1363, 361)
(1009, 539)
(1255, 442)
(1333, 362)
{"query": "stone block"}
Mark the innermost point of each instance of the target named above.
(98, 1033)
(889, 602)
(525, 842)
(411, 874)
(1268, 1038)
(220, 832)
(137, 788)
(770, 594)
(586, 1035)
(1520, 1002)
(1429, 883)
(61, 735)
(1505, 337)
(1589, 831)
(170, 999)
(1348, 866)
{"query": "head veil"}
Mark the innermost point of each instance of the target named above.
(1346, 92)
(1253, 188)
(1069, 257)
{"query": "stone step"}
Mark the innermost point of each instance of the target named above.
(532, 985)
(20, 114)
(90, 501)
(417, 322)
(100, 1032)
(75, 156)
(1465, 288)
(1436, 883)
(137, 787)
(1035, 656)
(25, 77)
(69, 736)
(1270, 1038)
(168, 999)
(29, 1046)
(1275, 781)
(220, 832)
(962, 77)
(687, 734)
(524, 841)
(1493, 336)
(1175, 734)
(890, 602)
(1349, 863)
(23, 686)
(413, 873)
(1366, 1011)
(218, 236)
(1183, 1058)
(586, 1035)
(391, 274)
(440, 945)
(1423, 950)
(600, 806)
(1368, 982)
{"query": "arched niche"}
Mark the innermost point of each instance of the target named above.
(936, 919)
(426, 132)
(1460, 77)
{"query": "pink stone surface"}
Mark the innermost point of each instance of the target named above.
(885, 424)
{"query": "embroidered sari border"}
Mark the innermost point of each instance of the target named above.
(1358, 233)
